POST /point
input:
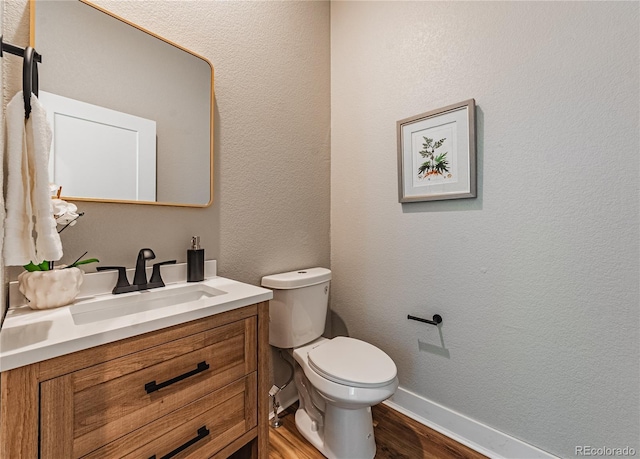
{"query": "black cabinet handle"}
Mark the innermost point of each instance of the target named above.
(202, 432)
(152, 386)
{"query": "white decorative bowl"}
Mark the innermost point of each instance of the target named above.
(50, 289)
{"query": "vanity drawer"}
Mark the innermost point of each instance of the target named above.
(105, 402)
(198, 430)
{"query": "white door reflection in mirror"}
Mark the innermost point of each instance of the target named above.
(100, 153)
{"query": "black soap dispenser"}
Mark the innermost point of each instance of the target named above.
(195, 261)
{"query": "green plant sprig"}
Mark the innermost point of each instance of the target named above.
(46, 266)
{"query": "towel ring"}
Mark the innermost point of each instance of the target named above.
(29, 70)
(29, 79)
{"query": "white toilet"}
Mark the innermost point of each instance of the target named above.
(339, 379)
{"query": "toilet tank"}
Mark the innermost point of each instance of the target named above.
(298, 310)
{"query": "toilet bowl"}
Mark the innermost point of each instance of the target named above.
(350, 376)
(339, 379)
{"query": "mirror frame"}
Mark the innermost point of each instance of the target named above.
(32, 43)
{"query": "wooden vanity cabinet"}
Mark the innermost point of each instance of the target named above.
(195, 390)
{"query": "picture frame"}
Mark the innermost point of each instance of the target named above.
(437, 154)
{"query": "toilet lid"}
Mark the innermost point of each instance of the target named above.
(352, 362)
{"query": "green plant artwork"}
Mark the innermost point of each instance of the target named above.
(436, 163)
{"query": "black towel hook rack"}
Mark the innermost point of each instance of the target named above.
(29, 79)
(29, 70)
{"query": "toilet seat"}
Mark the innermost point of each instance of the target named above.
(352, 362)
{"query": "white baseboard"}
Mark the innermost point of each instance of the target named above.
(471, 433)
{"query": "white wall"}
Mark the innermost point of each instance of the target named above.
(537, 279)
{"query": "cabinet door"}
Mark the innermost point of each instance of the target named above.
(87, 409)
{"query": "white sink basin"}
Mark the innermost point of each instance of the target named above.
(145, 300)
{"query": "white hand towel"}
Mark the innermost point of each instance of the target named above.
(30, 229)
(18, 244)
(39, 135)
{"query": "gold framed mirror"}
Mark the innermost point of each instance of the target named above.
(132, 112)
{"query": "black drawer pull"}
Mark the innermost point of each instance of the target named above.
(202, 432)
(152, 386)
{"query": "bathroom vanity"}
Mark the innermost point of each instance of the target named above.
(190, 380)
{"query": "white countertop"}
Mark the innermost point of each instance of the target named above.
(28, 336)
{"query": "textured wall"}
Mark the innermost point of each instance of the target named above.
(537, 278)
(272, 117)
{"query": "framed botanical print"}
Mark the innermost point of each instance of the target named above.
(437, 154)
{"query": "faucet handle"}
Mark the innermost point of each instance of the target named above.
(156, 278)
(122, 285)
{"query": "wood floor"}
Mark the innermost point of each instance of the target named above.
(397, 437)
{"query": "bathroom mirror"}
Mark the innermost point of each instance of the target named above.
(96, 60)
